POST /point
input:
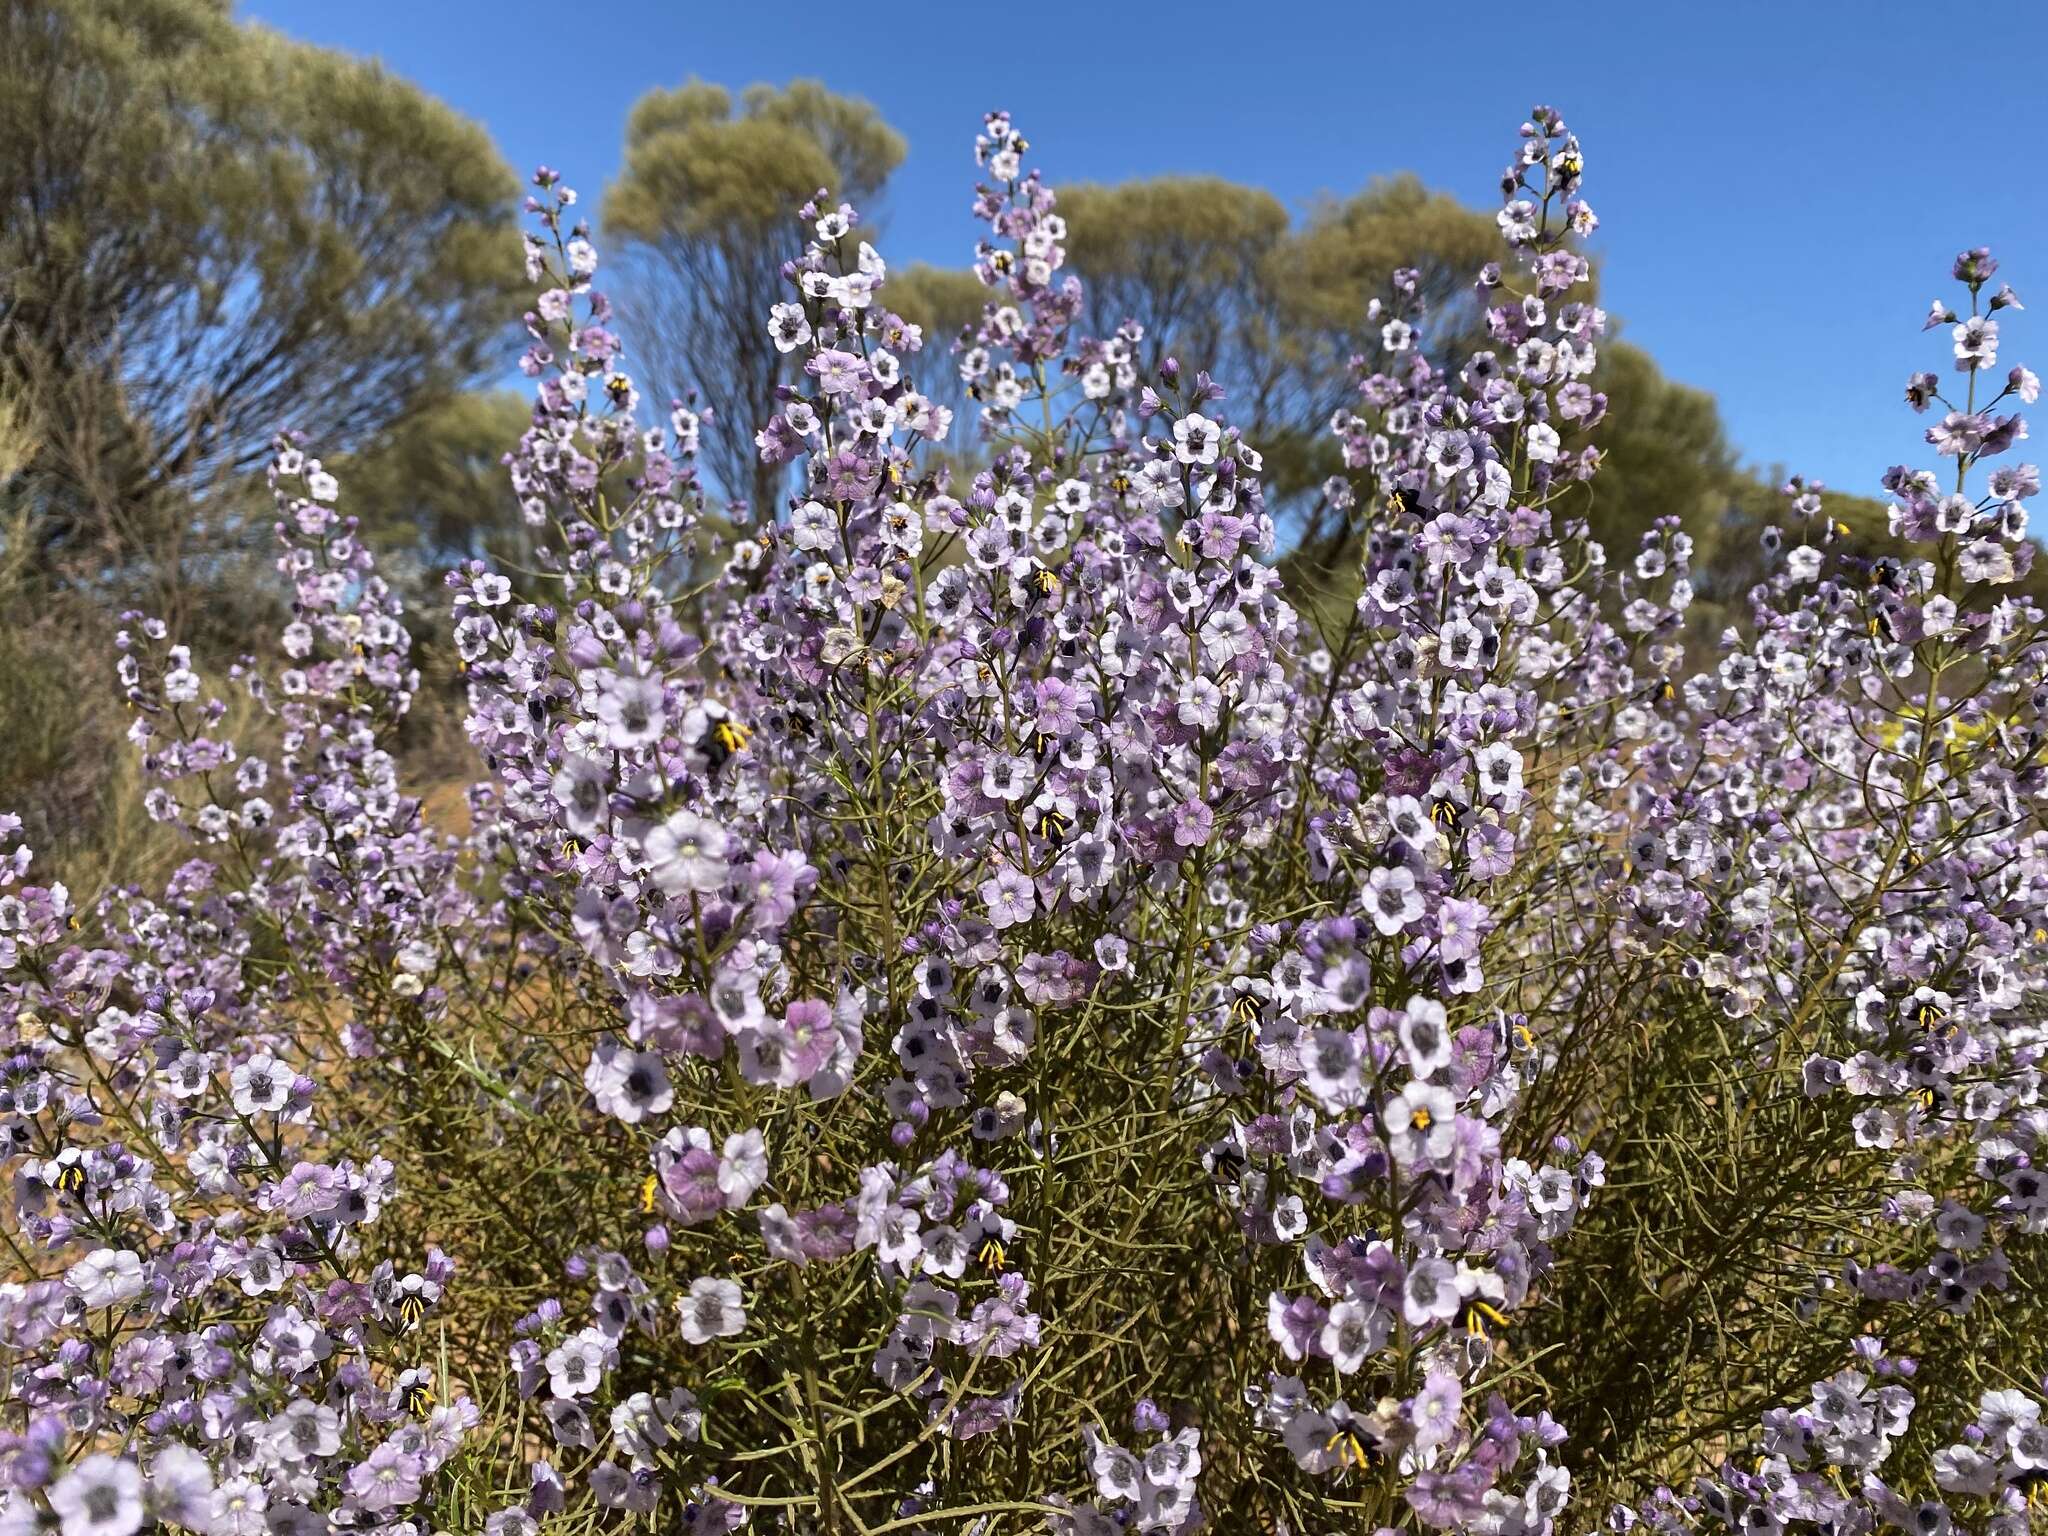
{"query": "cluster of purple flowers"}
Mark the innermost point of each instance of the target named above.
(946, 864)
(1822, 1465)
(197, 1334)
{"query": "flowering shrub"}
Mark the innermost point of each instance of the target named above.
(961, 1007)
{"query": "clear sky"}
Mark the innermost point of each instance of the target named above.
(1781, 185)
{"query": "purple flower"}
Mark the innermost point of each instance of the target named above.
(389, 1479)
(1434, 1412)
(837, 372)
(689, 1177)
(1193, 822)
(1010, 896)
(1446, 1500)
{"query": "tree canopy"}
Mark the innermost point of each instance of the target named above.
(210, 232)
(703, 212)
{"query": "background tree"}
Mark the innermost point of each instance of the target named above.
(1664, 445)
(1342, 257)
(1217, 270)
(1348, 249)
(1190, 259)
(702, 215)
(1278, 309)
(207, 232)
(434, 489)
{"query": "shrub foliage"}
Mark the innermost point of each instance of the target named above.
(959, 1007)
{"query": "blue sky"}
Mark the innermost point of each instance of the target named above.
(1781, 186)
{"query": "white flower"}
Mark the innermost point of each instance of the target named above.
(743, 1169)
(304, 1431)
(1500, 774)
(1964, 1469)
(1986, 560)
(238, 1507)
(1421, 1123)
(581, 788)
(2029, 1447)
(1551, 1191)
(687, 853)
(181, 1487)
(105, 1277)
(1356, 1330)
(1430, 1293)
(1392, 899)
(101, 1496)
(1175, 1461)
(260, 1085)
(576, 1366)
(2004, 1413)
(1425, 1036)
(631, 709)
(1117, 1473)
(712, 1310)
(1195, 439)
(1330, 1067)
(627, 1084)
(1547, 1492)
(788, 327)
